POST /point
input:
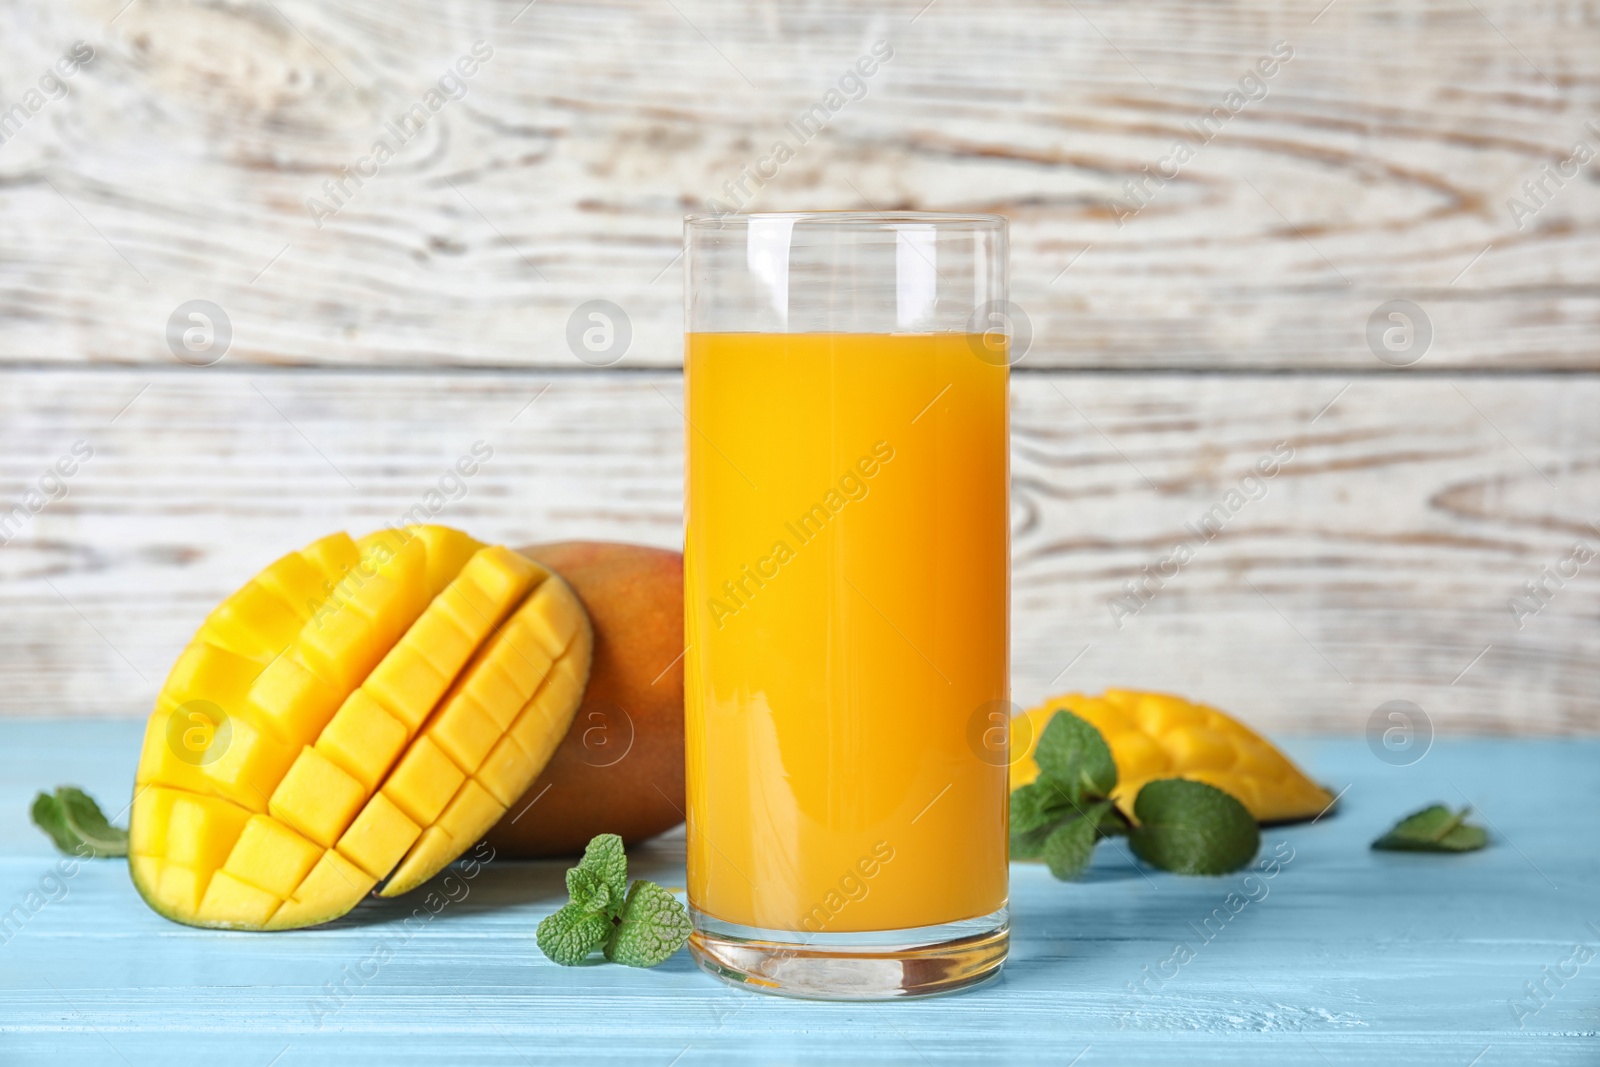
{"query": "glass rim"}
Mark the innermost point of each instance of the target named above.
(864, 219)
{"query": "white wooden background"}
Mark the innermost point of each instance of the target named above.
(1170, 352)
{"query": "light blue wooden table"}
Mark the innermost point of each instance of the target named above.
(1345, 956)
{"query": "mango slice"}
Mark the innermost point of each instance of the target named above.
(359, 711)
(1154, 735)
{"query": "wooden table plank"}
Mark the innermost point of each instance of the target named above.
(1378, 564)
(1379, 164)
(1343, 955)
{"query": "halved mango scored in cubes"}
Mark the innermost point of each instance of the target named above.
(1153, 735)
(360, 712)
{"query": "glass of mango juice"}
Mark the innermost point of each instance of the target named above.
(846, 596)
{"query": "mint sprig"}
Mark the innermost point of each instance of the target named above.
(1192, 828)
(1061, 815)
(1073, 754)
(1183, 826)
(639, 925)
(71, 818)
(1434, 829)
(652, 926)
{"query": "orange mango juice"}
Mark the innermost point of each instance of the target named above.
(846, 598)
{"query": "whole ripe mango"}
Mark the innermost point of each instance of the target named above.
(1155, 735)
(360, 711)
(620, 767)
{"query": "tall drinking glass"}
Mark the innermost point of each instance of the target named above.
(846, 574)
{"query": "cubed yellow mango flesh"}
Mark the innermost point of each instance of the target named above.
(253, 623)
(295, 581)
(363, 739)
(180, 887)
(290, 699)
(351, 693)
(317, 798)
(271, 857)
(202, 830)
(332, 556)
(232, 902)
(334, 886)
(207, 672)
(547, 708)
(1156, 735)
(424, 781)
(379, 837)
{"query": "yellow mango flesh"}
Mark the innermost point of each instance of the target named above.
(521, 690)
(1154, 735)
(327, 727)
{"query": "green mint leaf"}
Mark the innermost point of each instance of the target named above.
(1029, 844)
(1112, 823)
(604, 856)
(1038, 805)
(639, 925)
(76, 825)
(85, 819)
(589, 891)
(1041, 807)
(1192, 828)
(1072, 751)
(1070, 847)
(654, 926)
(1434, 829)
(571, 934)
(48, 816)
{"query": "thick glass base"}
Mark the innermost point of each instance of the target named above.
(923, 961)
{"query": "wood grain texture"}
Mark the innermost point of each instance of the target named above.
(1377, 166)
(1344, 955)
(1377, 564)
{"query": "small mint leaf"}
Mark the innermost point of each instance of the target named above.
(1434, 829)
(1192, 828)
(571, 934)
(1029, 844)
(588, 891)
(1038, 804)
(48, 816)
(654, 926)
(88, 822)
(1070, 847)
(604, 856)
(1112, 823)
(1072, 751)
